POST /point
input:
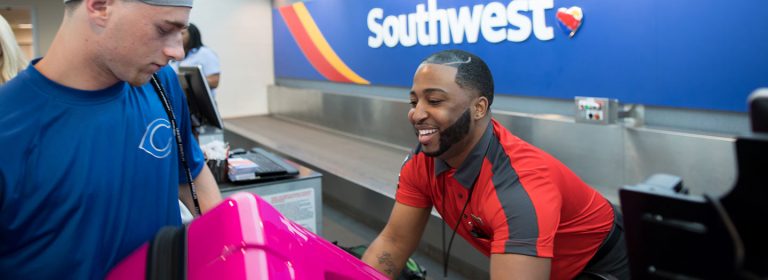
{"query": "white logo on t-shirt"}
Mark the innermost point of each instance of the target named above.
(153, 143)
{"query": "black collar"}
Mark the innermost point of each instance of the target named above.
(470, 168)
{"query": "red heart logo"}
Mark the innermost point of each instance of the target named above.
(570, 19)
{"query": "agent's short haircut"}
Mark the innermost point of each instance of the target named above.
(472, 72)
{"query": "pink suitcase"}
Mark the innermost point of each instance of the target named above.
(242, 238)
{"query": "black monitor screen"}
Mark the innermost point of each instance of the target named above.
(201, 103)
(758, 110)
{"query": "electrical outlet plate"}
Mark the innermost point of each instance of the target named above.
(596, 110)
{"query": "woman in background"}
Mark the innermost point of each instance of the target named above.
(12, 60)
(198, 54)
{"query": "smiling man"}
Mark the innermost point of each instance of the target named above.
(513, 202)
(91, 169)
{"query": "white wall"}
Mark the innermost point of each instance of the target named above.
(240, 32)
(47, 15)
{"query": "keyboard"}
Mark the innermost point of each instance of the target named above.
(265, 164)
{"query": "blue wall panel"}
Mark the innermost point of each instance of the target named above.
(681, 53)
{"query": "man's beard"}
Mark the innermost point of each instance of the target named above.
(452, 135)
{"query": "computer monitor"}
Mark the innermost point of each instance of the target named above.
(758, 110)
(202, 106)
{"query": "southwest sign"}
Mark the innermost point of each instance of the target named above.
(648, 52)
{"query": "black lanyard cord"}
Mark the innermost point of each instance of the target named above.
(446, 254)
(458, 222)
(167, 106)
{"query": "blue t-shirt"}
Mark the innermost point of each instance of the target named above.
(86, 177)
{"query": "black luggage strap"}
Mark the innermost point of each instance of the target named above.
(166, 255)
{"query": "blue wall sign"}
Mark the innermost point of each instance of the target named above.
(684, 53)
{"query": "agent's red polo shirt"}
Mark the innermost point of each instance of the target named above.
(524, 201)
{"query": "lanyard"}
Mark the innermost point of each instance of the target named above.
(167, 106)
(446, 254)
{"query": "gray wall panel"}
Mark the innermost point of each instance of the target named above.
(605, 156)
(706, 121)
(381, 119)
(706, 163)
(301, 104)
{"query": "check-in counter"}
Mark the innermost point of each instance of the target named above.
(298, 198)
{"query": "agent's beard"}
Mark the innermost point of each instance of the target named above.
(452, 135)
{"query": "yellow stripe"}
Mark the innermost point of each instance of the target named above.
(322, 44)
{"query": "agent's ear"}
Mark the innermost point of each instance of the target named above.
(480, 108)
(98, 11)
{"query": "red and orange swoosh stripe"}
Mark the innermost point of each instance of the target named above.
(314, 46)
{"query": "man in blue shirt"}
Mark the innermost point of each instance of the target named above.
(90, 166)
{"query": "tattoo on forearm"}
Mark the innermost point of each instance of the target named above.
(385, 259)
